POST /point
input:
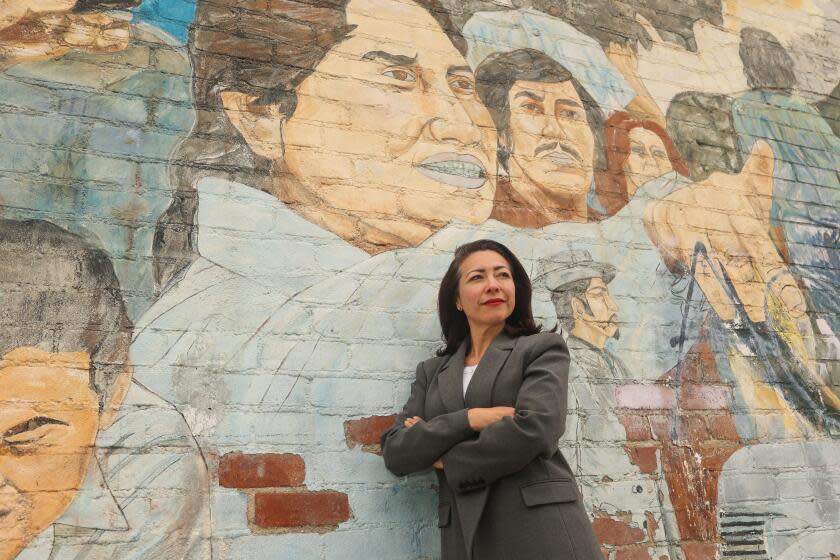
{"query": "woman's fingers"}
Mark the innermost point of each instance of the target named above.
(409, 422)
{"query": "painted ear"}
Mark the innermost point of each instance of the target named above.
(118, 392)
(577, 308)
(261, 126)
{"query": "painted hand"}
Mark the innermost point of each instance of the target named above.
(730, 216)
(52, 34)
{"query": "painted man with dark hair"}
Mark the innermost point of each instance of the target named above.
(550, 137)
(91, 464)
(328, 134)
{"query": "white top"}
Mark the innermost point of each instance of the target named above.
(468, 373)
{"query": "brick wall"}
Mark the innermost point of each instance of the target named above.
(223, 226)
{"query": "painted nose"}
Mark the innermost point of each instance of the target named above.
(449, 122)
(552, 128)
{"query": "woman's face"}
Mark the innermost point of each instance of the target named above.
(486, 292)
(647, 160)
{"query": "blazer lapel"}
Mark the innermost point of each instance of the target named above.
(451, 380)
(480, 390)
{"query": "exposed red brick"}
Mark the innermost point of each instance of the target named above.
(704, 397)
(699, 550)
(636, 427)
(263, 470)
(616, 532)
(643, 457)
(694, 429)
(300, 509)
(661, 427)
(633, 553)
(366, 431)
(722, 426)
(652, 526)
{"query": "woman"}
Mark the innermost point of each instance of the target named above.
(637, 151)
(486, 413)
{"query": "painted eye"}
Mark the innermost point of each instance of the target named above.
(400, 74)
(462, 84)
(533, 108)
(571, 115)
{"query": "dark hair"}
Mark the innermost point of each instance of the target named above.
(767, 65)
(702, 127)
(562, 296)
(453, 323)
(615, 21)
(263, 50)
(83, 6)
(499, 71)
(60, 294)
(612, 187)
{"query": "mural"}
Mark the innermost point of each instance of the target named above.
(223, 224)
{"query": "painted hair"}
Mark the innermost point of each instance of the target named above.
(611, 189)
(266, 51)
(59, 293)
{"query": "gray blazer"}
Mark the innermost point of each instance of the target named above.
(505, 493)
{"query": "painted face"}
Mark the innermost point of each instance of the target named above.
(647, 160)
(604, 311)
(551, 141)
(486, 291)
(49, 417)
(389, 126)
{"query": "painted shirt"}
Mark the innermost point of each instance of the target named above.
(594, 444)
(145, 494)
(280, 332)
(806, 188)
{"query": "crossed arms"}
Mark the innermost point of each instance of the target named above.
(477, 446)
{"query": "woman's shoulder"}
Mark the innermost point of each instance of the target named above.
(533, 345)
(431, 365)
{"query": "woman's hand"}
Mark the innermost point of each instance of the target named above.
(409, 422)
(480, 418)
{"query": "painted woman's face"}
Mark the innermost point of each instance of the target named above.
(648, 159)
(49, 417)
(389, 128)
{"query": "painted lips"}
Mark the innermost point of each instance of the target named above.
(494, 302)
(457, 170)
(561, 159)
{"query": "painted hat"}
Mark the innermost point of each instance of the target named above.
(570, 266)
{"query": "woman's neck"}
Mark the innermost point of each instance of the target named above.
(481, 336)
